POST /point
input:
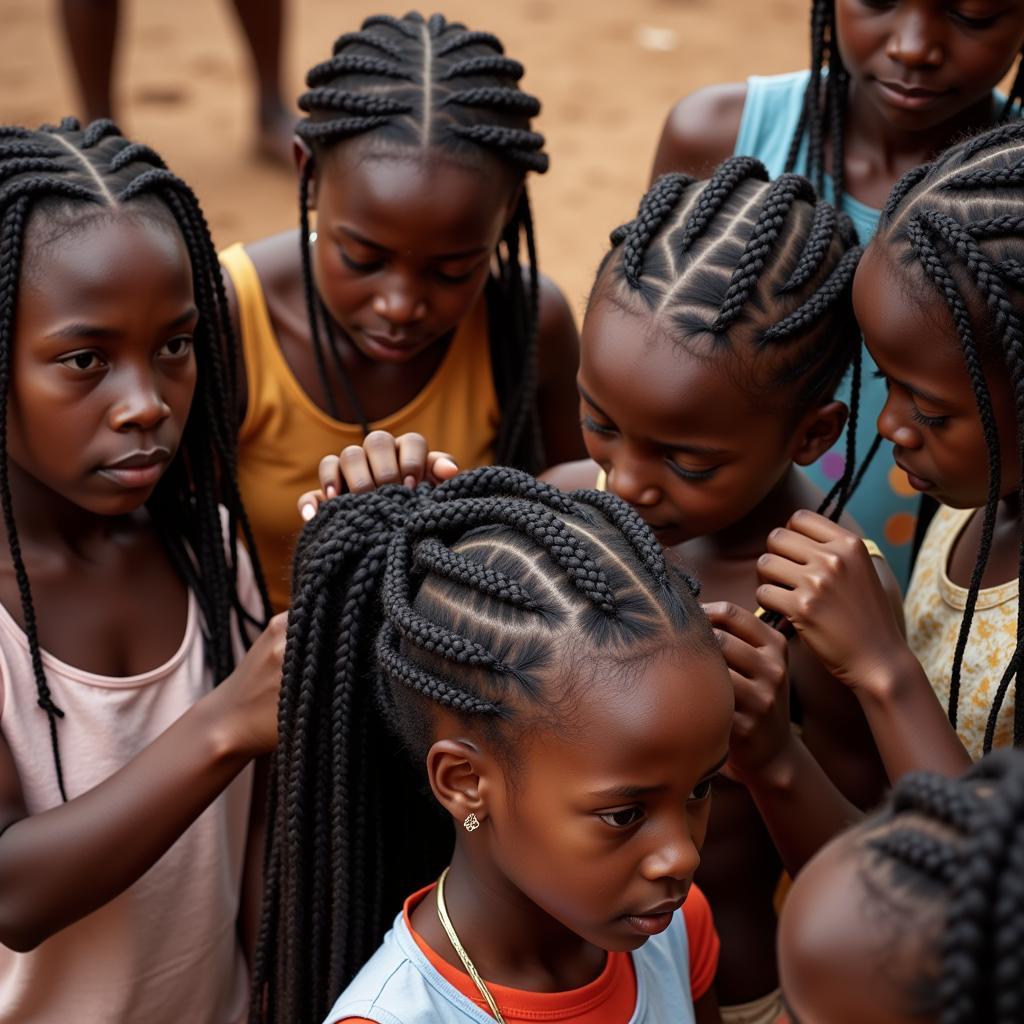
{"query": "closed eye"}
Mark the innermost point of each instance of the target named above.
(691, 474)
(588, 423)
(934, 422)
(363, 268)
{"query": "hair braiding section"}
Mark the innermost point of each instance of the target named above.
(472, 597)
(958, 223)
(408, 84)
(62, 177)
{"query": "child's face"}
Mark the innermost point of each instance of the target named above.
(600, 822)
(931, 415)
(920, 63)
(103, 370)
(404, 246)
(845, 957)
(679, 438)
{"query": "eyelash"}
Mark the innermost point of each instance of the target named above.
(934, 422)
(375, 265)
(690, 475)
(964, 19)
(699, 794)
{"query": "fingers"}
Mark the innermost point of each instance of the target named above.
(740, 623)
(440, 467)
(743, 659)
(816, 526)
(382, 457)
(329, 475)
(412, 458)
(309, 503)
(775, 569)
(778, 599)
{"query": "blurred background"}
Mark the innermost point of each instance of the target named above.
(606, 71)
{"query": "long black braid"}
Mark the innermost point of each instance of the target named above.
(824, 108)
(411, 82)
(958, 846)
(739, 260)
(69, 174)
(957, 219)
(468, 597)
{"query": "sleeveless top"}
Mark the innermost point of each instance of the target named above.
(285, 434)
(934, 610)
(884, 504)
(399, 985)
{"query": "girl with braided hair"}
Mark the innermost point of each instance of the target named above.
(406, 308)
(716, 333)
(558, 686)
(916, 916)
(125, 775)
(892, 83)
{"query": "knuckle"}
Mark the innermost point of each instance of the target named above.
(378, 439)
(832, 561)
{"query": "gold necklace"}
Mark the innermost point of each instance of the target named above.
(449, 930)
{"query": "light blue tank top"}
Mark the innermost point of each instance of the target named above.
(399, 985)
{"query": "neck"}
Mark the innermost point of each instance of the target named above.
(510, 940)
(900, 149)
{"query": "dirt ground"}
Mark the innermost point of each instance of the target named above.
(606, 70)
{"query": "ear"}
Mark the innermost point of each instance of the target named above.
(460, 777)
(301, 155)
(817, 431)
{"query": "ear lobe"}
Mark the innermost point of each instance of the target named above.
(457, 772)
(818, 431)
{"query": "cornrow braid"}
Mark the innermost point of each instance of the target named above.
(69, 173)
(947, 220)
(416, 83)
(466, 596)
(742, 260)
(959, 844)
(823, 115)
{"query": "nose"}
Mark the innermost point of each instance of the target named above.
(916, 40)
(894, 423)
(631, 481)
(139, 404)
(676, 857)
(399, 301)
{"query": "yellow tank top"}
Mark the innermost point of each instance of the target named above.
(285, 434)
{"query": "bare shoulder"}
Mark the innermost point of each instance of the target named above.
(572, 476)
(700, 130)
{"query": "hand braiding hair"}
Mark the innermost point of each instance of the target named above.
(960, 844)
(74, 174)
(941, 217)
(416, 83)
(824, 106)
(462, 597)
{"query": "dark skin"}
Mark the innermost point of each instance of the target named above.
(714, 474)
(921, 77)
(403, 251)
(561, 867)
(103, 367)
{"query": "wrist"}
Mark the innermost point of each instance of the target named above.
(892, 680)
(229, 743)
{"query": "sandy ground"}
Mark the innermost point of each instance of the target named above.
(606, 72)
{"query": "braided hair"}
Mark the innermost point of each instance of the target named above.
(740, 261)
(473, 597)
(824, 107)
(957, 219)
(69, 174)
(958, 845)
(409, 82)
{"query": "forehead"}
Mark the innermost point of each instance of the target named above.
(653, 387)
(411, 198)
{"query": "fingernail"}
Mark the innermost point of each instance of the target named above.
(331, 491)
(307, 512)
(446, 464)
(410, 482)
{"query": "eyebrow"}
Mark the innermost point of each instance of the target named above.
(635, 792)
(690, 449)
(478, 250)
(919, 392)
(78, 330)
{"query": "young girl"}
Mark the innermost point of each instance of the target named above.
(943, 274)
(891, 85)
(568, 703)
(915, 917)
(406, 308)
(124, 787)
(716, 333)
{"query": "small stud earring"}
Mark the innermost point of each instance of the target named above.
(312, 238)
(472, 823)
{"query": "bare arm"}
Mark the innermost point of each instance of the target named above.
(61, 864)
(700, 131)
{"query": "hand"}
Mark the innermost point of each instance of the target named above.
(821, 578)
(380, 459)
(758, 661)
(251, 693)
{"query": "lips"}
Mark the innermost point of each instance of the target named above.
(919, 483)
(390, 347)
(138, 469)
(656, 919)
(910, 97)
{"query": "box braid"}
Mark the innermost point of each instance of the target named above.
(410, 82)
(958, 220)
(958, 845)
(475, 597)
(740, 262)
(824, 108)
(72, 174)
